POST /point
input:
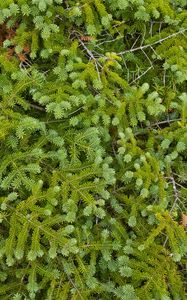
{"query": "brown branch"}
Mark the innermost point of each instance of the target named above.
(37, 107)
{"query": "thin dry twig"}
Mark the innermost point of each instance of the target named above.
(176, 193)
(92, 57)
(155, 43)
(164, 122)
(37, 107)
(73, 284)
(141, 75)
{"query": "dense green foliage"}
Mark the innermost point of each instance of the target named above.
(93, 149)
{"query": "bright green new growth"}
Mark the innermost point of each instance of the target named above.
(93, 172)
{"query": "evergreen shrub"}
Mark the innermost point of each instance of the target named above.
(93, 149)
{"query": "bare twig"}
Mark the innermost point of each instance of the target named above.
(178, 184)
(37, 107)
(73, 284)
(141, 75)
(87, 50)
(92, 57)
(69, 115)
(164, 122)
(160, 27)
(154, 51)
(148, 58)
(177, 199)
(155, 43)
(176, 193)
(135, 42)
(109, 41)
(151, 29)
(144, 34)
